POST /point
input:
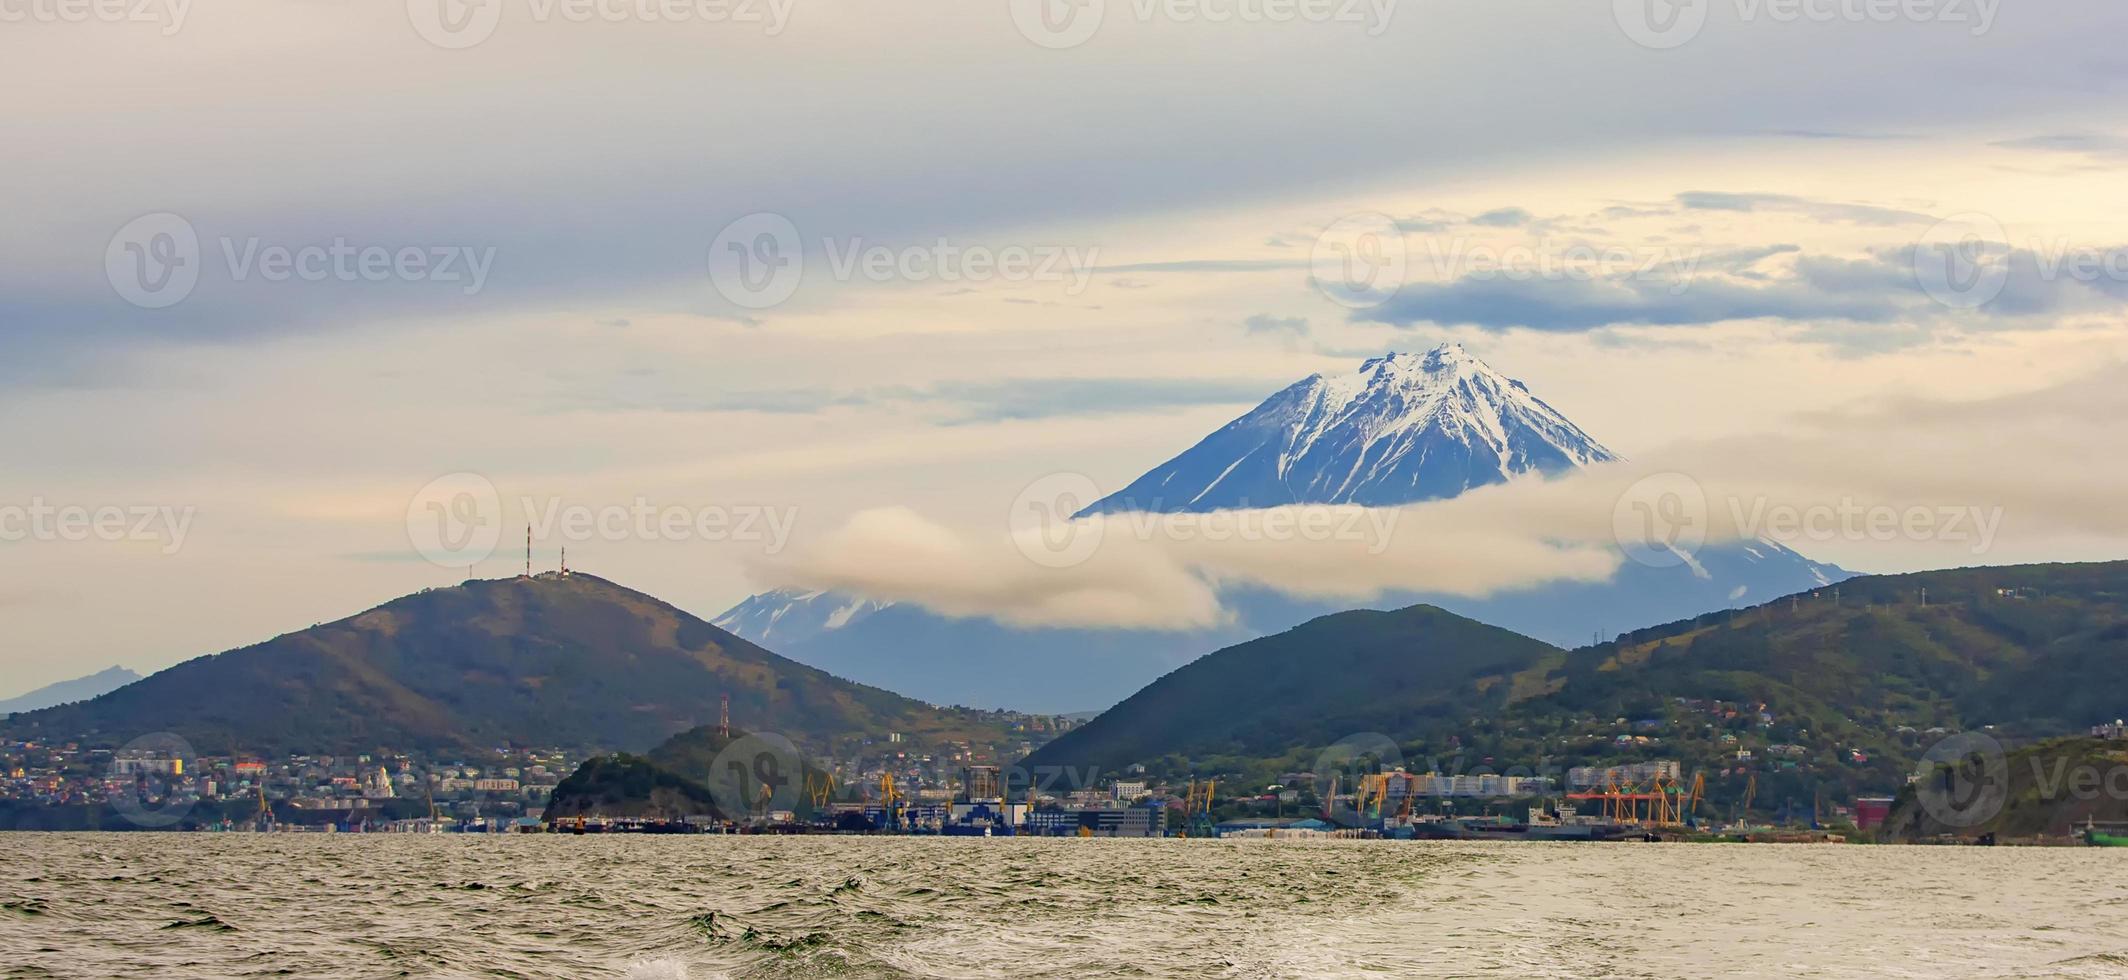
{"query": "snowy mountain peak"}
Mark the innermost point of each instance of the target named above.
(1403, 428)
(1447, 357)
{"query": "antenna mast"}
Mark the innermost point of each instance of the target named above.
(528, 551)
(724, 718)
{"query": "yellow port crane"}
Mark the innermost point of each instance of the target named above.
(1658, 802)
(821, 791)
(1197, 805)
(891, 799)
(1374, 791)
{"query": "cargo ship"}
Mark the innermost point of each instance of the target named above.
(1567, 826)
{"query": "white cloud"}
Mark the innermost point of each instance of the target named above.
(1918, 483)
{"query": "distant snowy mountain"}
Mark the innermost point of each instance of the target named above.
(1403, 428)
(790, 617)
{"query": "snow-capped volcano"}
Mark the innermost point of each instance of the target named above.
(1403, 428)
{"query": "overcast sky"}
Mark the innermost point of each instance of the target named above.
(523, 268)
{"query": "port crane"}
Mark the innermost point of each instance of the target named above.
(1659, 802)
(1374, 792)
(820, 791)
(891, 799)
(1197, 808)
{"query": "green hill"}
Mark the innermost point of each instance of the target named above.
(1362, 671)
(2050, 788)
(565, 661)
(697, 772)
(623, 785)
(2038, 649)
(1820, 696)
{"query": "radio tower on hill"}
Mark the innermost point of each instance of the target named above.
(528, 551)
(724, 718)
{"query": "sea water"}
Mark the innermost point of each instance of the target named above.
(668, 908)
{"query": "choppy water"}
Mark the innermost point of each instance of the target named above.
(663, 908)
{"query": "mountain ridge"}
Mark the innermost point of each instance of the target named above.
(1841, 690)
(66, 692)
(553, 660)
